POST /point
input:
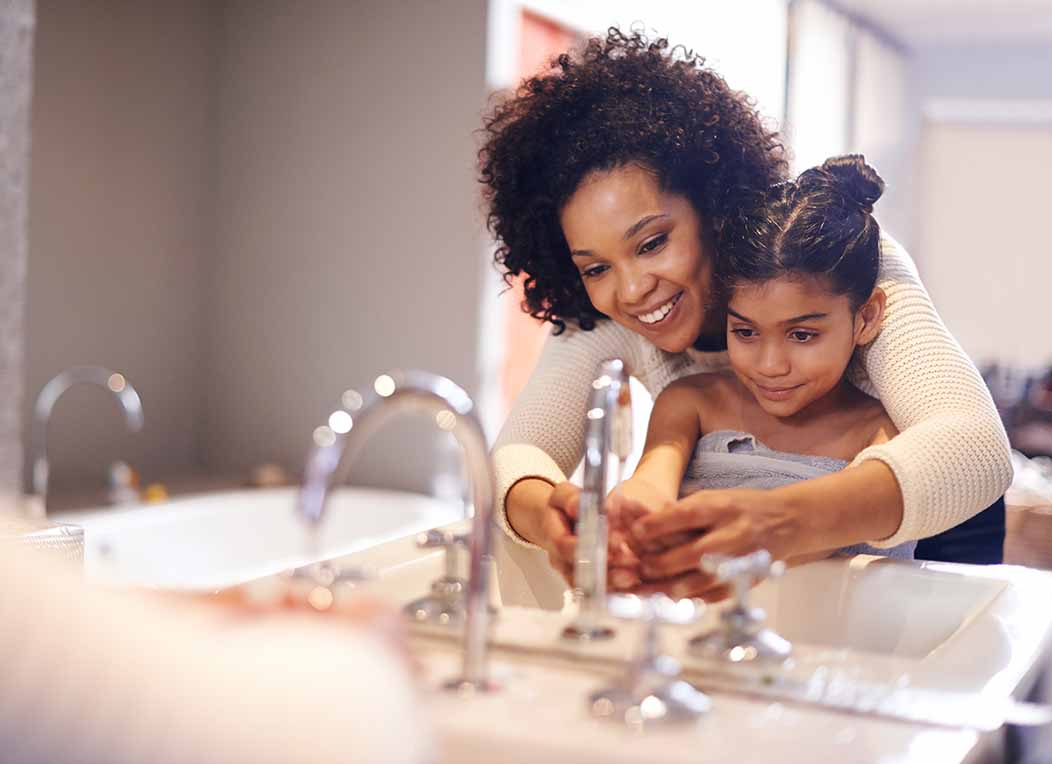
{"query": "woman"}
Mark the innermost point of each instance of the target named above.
(607, 181)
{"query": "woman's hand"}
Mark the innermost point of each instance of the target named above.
(546, 515)
(733, 522)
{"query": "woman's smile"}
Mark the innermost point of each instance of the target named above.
(662, 314)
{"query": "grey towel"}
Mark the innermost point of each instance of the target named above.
(731, 459)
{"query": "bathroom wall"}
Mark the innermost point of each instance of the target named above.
(348, 236)
(248, 207)
(985, 151)
(120, 226)
(16, 50)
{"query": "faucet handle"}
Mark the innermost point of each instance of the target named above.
(743, 569)
(742, 636)
(446, 604)
(436, 538)
(656, 608)
(652, 688)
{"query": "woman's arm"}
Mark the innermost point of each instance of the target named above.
(951, 458)
(543, 437)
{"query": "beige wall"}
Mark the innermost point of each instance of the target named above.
(120, 225)
(986, 259)
(248, 207)
(348, 234)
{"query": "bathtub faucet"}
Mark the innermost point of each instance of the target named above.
(122, 390)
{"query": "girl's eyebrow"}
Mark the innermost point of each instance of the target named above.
(793, 320)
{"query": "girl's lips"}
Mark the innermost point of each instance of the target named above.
(776, 393)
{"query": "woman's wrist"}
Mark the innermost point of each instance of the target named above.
(523, 505)
(858, 504)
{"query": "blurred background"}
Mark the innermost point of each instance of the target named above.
(249, 206)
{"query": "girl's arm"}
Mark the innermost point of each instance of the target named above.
(672, 434)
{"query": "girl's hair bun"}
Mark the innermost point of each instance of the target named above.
(853, 178)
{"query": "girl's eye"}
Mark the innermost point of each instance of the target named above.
(744, 334)
(593, 271)
(799, 335)
(653, 243)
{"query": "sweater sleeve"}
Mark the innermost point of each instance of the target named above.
(951, 458)
(543, 436)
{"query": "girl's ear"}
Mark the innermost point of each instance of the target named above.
(869, 317)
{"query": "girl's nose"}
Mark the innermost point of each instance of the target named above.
(773, 361)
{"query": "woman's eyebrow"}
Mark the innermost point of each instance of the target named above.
(642, 222)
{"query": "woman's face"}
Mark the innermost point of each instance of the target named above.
(643, 254)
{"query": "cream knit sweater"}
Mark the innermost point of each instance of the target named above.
(951, 458)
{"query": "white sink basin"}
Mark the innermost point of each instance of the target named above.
(215, 540)
(926, 625)
(930, 625)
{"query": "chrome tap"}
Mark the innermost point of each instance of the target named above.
(652, 689)
(742, 635)
(45, 403)
(454, 411)
(608, 429)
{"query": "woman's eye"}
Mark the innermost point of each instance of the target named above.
(595, 270)
(802, 336)
(653, 243)
(744, 334)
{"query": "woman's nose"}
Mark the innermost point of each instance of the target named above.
(633, 286)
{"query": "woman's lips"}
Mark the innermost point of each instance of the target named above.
(669, 317)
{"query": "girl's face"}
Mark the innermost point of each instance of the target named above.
(790, 339)
(643, 255)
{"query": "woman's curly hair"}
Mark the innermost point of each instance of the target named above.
(618, 101)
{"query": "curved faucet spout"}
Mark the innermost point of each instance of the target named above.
(113, 381)
(454, 411)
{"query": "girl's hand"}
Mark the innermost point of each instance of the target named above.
(734, 522)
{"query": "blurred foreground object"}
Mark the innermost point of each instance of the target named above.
(96, 676)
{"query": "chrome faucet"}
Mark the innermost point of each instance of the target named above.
(45, 403)
(608, 429)
(453, 410)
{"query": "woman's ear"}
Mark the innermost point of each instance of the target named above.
(869, 317)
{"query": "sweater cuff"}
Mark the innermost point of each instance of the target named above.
(515, 462)
(911, 527)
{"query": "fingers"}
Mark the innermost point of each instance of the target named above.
(565, 497)
(732, 540)
(693, 584)
(677, 519)
(679, 559)
(622, 579)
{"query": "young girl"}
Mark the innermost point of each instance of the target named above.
(798, 282)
